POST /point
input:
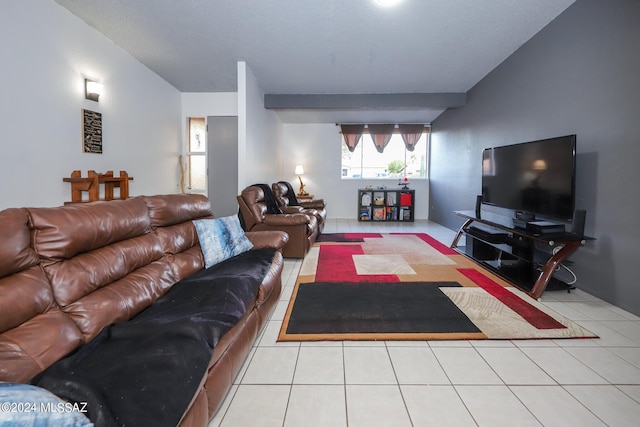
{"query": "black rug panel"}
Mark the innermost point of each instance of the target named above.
(339, 238)
(384, 307)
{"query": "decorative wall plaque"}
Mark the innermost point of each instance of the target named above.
(91, 131)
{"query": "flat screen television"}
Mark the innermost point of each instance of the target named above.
(536, 177)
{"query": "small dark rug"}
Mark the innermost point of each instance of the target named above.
(381, 310)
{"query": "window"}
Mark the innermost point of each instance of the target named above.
(196, 166)
(394, 162)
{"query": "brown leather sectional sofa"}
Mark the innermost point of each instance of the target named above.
(67, 273)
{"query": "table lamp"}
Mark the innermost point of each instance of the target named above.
(300, 171)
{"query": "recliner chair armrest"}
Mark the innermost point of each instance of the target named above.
(310, 211)
(291, 209)
(286, 219)
(267, 239)
(313, 204)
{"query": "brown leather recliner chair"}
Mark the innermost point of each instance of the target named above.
(284, 194)
(301, 227)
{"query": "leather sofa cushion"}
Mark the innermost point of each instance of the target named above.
(171, 217)
(36, 344)
(121, 300)
(103, 262)
(171, 209)
(77, 277)
(34, 333)
(63, 232)
(16, 253)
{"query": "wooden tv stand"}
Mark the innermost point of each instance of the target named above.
(488, 242)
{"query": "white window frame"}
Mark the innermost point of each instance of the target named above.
(190, 154)
(381, 169)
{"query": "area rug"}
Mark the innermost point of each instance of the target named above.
(409, 286)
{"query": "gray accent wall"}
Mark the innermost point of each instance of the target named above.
(580, 74)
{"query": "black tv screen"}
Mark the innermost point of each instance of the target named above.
(536, 177)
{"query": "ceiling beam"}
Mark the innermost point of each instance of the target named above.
(367, 101)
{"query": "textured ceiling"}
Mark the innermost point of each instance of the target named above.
(320, 47)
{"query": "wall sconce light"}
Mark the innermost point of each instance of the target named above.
(300, 171)
(92, 90)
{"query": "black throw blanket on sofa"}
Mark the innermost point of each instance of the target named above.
(269, 199)
(145, 371)
(291, 194)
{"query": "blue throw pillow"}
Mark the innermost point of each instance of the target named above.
(27, 405)
(221, 239)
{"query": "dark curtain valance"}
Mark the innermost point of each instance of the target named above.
(410, 135)
(381, 134)
(352, 135)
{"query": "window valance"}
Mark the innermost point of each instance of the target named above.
(352, 135)
(381, 134)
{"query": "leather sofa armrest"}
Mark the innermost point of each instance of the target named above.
(268, 239)
(286, 219)
(291, 209)
(313, 204)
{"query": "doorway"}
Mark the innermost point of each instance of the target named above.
(222, 164)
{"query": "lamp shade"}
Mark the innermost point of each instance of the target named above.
(299, 170)
(539, 165)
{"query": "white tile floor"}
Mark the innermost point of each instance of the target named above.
(440, 383)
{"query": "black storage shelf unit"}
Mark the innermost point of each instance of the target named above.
(381, 204)
(512, 261)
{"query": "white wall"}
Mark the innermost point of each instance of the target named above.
(46, 54)
(259, 133)
(318, 147)
(209, 104)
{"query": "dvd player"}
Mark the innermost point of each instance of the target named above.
(491, 236)
(545, 227)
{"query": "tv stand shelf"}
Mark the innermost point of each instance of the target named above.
(515, 253)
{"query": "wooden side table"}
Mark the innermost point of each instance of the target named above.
(307, 197)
